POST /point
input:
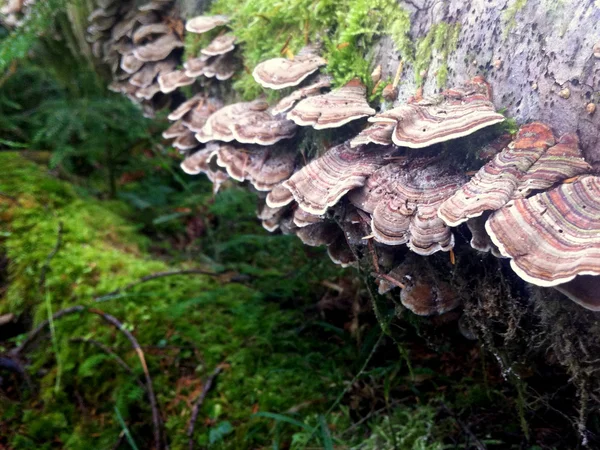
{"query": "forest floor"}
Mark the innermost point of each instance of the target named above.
(281, 347)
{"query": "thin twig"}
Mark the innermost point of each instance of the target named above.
(51, 255)
(199, 401)
(136, 346)
(465, 428)
(116, 357)
(35, 333)
(155, 276)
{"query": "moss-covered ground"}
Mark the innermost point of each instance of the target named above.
(304, 363)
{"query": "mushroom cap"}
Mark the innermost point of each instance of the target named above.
(334, 109)
(279, 197)
(532, 162)
(170, 81)
(340, 252)
(158, 49)
(281, 73)
(130, 64)
(263, 167)
(583, 290)
(270, 217)
(198, 162)
(325, 180)
(248, 123)
(317, 234)
(378, 133)
(195, 119)
(303, 219)
(220, 45)
(404, 203)
(195, 67)
(560, 162)
(146, 31)
(185, 141)
(287, 103)
(553, 236)
(222, 67)
(146, 75)
(419, 125)
(428, 299)
(185, 107)
(202, 24)
(175, 130)
(148, 92)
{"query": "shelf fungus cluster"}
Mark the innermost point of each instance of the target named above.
(395, 193)
(142, 46)
(14, 12)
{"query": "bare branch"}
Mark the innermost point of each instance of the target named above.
(155, 276)
(199, 401)
(136, 346)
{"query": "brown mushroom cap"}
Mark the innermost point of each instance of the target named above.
(201, 162)
(159, 49)
(422, 124)
(423, 293)
(222, 67)
(220, 45)
(333, 109)
(146, 75)
(317, 234)
(553, 236)
(404, 204)
(281, 73)
(325, 180)
(185, 141)
(246, 122)
(279, 197)
(170, 81)
(202, 24)
(531, 162)
(175, 130)
(303, 219)
(378, 133)
(146, 31)
(148, 92)
(186, 106)
(264, 168)
(340, 252)
(270, 217)
(195, 119)
(130, 64)
(287, 103)
(583, 290)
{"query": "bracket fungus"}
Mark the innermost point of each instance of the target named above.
(325, 180)
(281, 73)
(247, 123)
(279, 197)
(220, 45)
(159, 49)
(170, 81)
(533, 161)
(202, 161)
(422, 292)
(458, 113)
(263, 167)
(287, 103)
(553, 236)
(403, 203)
(334, 109)
(202, 24)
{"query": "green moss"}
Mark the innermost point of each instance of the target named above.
(510, 15)
(346, 28)
(443, 38)
(186, 324)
